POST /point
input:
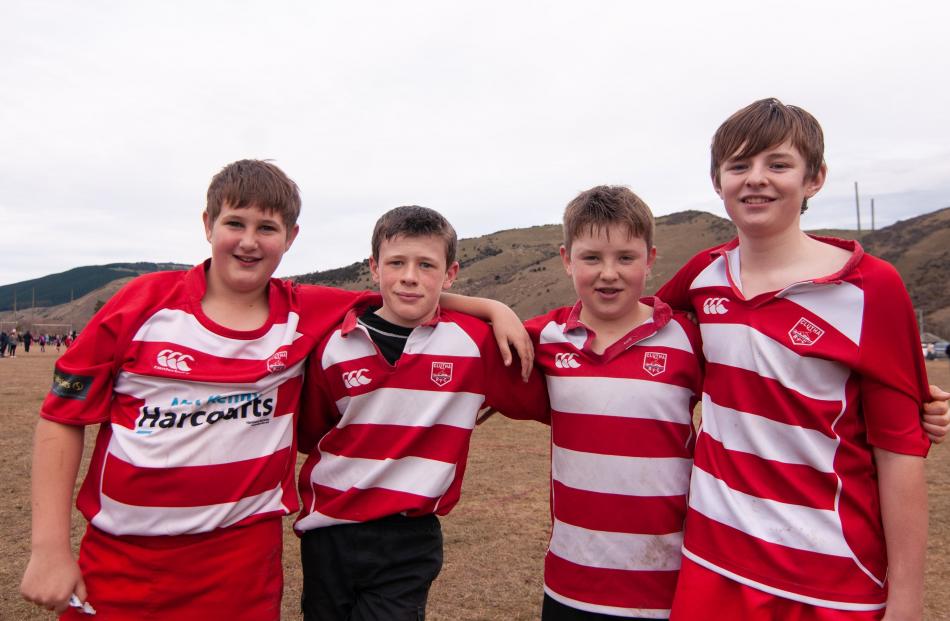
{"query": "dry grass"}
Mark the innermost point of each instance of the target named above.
(495, 538)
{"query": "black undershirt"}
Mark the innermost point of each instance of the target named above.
(389, 338)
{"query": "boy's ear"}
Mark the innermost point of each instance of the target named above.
(813, 185)
(651, 258)
(206, 220)
(374, 269)
(291, 236)
(717, 185)
(450, 275)
(566, 260)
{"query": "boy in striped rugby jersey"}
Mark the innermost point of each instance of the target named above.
(389, 405)
(623, 376)
(194, 378)
(808, 498)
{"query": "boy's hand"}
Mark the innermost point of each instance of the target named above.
(510, 332)
(937, 415)
(50, 578)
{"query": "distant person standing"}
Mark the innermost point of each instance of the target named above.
(4, 339)
(11, 342)
(42, 340)
(27, 341)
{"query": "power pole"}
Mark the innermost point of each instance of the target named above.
(872, 215)
(857, 205)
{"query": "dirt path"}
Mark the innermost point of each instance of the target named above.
(495, 538)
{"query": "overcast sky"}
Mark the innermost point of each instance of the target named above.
(115, 115)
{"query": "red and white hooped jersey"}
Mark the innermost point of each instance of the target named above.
(800, 385)
(197, 420)
(393, 439)
(621, 452)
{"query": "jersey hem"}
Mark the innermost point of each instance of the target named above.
(617, 611)
(798, 597)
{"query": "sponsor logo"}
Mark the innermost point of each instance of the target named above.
(805, 333)
(566, 361)
(70, 386)
(654, 362)
(277, 362)
(441, 373)
(715, 306)
(240, 397)
(170, 360)
(355, 379)
(255, 412)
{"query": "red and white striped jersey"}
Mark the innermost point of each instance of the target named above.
(621, 453)
(800, 385)
(393, 439)
(197, 420)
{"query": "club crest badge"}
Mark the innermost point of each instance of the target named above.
(805, 333)
(654, 362)
(441, 373)
(277, 362)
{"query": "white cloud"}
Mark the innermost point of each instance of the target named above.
(114, 116)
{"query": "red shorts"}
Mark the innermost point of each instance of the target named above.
(233, 574)
(704, 594)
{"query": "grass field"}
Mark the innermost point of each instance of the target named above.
(494, 539)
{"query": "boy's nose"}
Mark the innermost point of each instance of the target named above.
(248, 239)
(409, 274)
(608, 271)
(756, 176)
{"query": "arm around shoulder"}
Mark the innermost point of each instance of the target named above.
(52, 574)
(508, 329)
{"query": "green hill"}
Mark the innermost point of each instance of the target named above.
(66, 286)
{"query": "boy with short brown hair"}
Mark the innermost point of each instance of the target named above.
(194, 378)
(389, 406)
(808, 497)
(623, 376)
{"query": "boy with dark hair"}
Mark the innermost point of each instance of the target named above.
(808, 498)
(623, 377)
(389, 405)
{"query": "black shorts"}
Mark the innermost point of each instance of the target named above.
(379, 570)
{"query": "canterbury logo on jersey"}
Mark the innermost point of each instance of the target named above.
(715, 306)
(173, 361)
(355, 379)
(566, 361)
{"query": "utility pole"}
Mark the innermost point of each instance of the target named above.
(872, 215)
(857, 205)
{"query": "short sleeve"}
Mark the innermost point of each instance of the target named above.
(83, 378)
(507, 392)
(893, 378)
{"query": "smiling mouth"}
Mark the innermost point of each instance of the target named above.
(247, 260)
(608, 290)
(756, 200)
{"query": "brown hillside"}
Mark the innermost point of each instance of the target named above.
(522, 268)
(920, 250)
